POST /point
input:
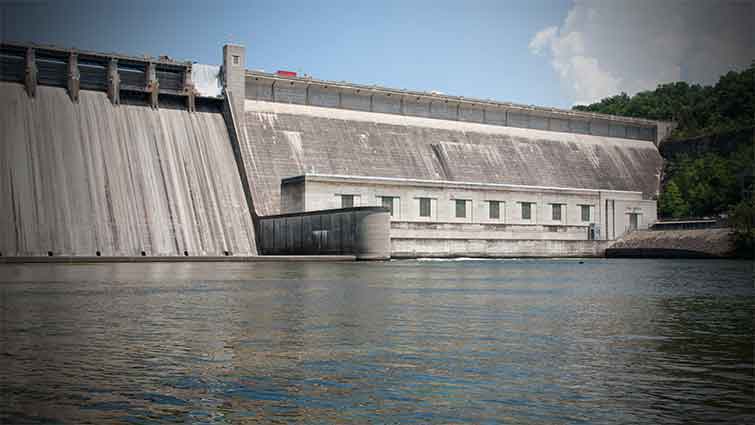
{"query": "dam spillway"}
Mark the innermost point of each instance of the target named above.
(121, 180)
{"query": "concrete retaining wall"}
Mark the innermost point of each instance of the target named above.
(362, 232)
(694, 243)
(475, 231)
(442, 248)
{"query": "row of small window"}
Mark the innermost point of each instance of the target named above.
(460, 208)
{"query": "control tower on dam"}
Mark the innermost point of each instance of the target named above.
(105, 155)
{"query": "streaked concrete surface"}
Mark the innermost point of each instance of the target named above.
(77, 178)
(285, 140)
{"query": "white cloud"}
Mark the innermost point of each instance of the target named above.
(543, 38)
(606, 47)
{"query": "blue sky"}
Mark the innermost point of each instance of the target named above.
(533, 52)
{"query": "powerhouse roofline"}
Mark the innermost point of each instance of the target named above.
(417, 182)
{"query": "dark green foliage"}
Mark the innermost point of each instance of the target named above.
(705, 185)
(742, 220)
(698, 110)
(671, 203)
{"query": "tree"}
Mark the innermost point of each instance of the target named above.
(698, 110)
(672, 204)
(742, 221)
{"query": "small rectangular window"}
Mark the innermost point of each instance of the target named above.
(634, 220)
(585, 212)
(347, 201)
(387, 202)
(556, 216)
(236, 59)
(424, 207)
(461, 208)
(494, 209)
(526, 210)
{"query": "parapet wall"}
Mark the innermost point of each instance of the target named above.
(331, 94)
(89, 177)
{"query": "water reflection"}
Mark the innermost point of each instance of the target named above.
(607, 341)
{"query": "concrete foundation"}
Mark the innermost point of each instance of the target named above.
(482, 248)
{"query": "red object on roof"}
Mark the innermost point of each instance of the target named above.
(286, 73)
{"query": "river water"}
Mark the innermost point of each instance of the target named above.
(500, 341)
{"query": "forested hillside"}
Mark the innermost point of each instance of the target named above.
(698, 110)
(711, 183)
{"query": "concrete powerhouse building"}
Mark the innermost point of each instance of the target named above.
(159, 157)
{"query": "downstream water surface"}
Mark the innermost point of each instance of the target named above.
(510, 341)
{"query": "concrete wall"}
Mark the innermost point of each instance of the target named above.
(609, 209)
(324, 192)
(443, 248)
(477, 234)
(471, 231)
(363, 232)
(78, 178)
(289, 140)
(308, 91)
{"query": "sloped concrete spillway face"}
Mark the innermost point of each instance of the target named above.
(288, 140)
(88, 177)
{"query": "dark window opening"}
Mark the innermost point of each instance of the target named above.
(49, 253)
(461, 208)
(556, 212)
(494, 210)
(387, 202)
(585, 212)
(186, 253)
(347, 201)
(226, 253)
(424, 207)
(526, 210)
(144, 254)
(98, 253)
(633, 221)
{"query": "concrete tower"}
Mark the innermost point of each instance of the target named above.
(234, 68)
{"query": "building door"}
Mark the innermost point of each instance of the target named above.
(634, 219)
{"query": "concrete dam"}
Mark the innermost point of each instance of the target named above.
(93, 178)
(113, 156)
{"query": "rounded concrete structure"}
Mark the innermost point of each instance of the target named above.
(360, 231)
(373, 234)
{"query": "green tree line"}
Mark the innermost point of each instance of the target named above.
(706, 184)
(697, 109)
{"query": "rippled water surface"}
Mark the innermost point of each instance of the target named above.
(530, 341)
